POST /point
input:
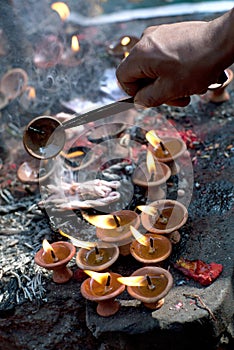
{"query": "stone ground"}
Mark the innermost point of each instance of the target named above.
(58, 317)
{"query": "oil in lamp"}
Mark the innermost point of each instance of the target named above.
(95, 256)
(55, 257)
(163, 216)
(151, 175)
(115, 228)
(150, 248)
(13, 83)
(121, 47)
(166, 150)
(217, 93)
(149, 284)
(103, 288)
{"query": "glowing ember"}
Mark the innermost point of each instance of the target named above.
(150, 165)
(78, 243)
(125, 41)
(137, 281)
(139, 237)
(101, 278)
(102, 221)
(75, 46)
(62, 9)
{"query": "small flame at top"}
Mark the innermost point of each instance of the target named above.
(125, 41)
(153, 138)
(49, 252)
(147, 209)
(102, 221)
(62, 9)
(75, 46)
(139, 237)
(78, 243)
(31, 92)
(99, 277)
(137, 281)
(150, 163)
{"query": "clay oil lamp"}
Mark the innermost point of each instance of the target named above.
(78, 157)
(115, 228)
(103, 288)
(149, 284)
(48, 52)
(150, 248)
(163, 216)
(151, 175)
(55, 257)
(121, 47)
(106, 132)
(13, 83)
(34, 171)
(217, 93)
(43, 138)
(95, 256)
(166, 150)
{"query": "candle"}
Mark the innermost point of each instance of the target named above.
(55, 257)
(150, 248)
(151, 175)
(95, 256)
(173, 216)
(70, 55)
(149, 284)
(117, 230)
(122, 46)
(166, 150)
(103, 288)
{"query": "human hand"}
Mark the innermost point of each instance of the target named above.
(172, 62)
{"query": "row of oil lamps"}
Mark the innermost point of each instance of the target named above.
(118, 234)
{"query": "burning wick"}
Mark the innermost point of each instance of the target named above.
(151, 286)
(38, 131)
(151, 248)
(108, 281)
(48, 250)
(153, 211)
(165, 151)
(98, 256)
(116, 220)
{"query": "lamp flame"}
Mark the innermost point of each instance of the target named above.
(49, 252)
(99, 277)
(125, 41)
(62, 9)
(102, 221)
(150, 164)
(147, 209)
(139, 236)
(137, 281)
(31, 92)
(75, 46)
(153, 138)
(78, 243)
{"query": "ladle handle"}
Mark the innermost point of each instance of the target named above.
(99, 113)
